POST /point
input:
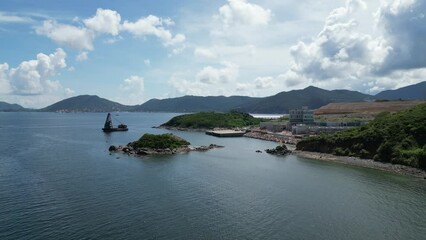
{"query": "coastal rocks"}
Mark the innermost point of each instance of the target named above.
(160, 151)
(367, 163)
(280, 150)
(274, 137)
(206, 148)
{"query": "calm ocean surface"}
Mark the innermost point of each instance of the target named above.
(58, 181)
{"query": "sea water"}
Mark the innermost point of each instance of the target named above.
(58, 181)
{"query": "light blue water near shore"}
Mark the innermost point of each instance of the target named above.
(58, 181)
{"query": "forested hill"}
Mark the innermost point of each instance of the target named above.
(398, 138)
(210, 120)
(86, 103)
(412, 92)
(194, 104)
(312, 97)
(7, 107)
(282, 102)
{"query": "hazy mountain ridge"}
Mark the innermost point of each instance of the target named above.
(412, 92)
(311, 97)
(194, 104)
(8, 107)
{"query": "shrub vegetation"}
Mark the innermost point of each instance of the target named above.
(210, 120)
(398, 138)
(162, 141)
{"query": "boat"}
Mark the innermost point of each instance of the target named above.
(108, 127)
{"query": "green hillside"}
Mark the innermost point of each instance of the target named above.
(210, 120)
(162, 141)
(311, 97)
(194, 104)
(86, 103)
(7, 107)
(412, 92)
(398, 138)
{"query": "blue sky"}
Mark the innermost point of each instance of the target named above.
(132, 51)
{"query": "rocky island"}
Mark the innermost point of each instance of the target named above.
(163, 144)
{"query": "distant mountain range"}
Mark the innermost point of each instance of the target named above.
(7, 107)
(195, 104)
(412, 92)
(311, 97)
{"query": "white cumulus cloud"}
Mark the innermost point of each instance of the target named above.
(153, 26)
(343, 56)
(5, 86)
(132, 90)
(404, 23)
(33, 77)
(63, 34)
(244, 13)
(30, 83)
(211, 75)
(105, 21)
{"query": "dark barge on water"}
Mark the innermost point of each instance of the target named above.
(108, 127)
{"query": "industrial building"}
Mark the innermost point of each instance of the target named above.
(301, 116)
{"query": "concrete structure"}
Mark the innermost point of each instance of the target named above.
(304, 115)
(273, 126)
(300, 129)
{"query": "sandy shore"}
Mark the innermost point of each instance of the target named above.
(368, 163)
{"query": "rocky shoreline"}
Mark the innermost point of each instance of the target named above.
(183, 129)
(167, 151)
(353, 161)
(367, 163)
(271, 137)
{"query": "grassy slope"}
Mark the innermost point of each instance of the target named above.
(397, 138)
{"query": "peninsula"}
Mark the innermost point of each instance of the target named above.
(209, 120)
(397, 138)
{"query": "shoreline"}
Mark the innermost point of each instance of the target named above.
(125, 149)
(366, 163)
(352, 161)
(273, 137)
(182, 129)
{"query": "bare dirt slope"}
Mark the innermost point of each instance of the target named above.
(366, 107)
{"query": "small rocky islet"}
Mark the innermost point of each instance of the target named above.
(163, 144)
(279, 150)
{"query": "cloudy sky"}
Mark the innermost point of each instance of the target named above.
(134, 50)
